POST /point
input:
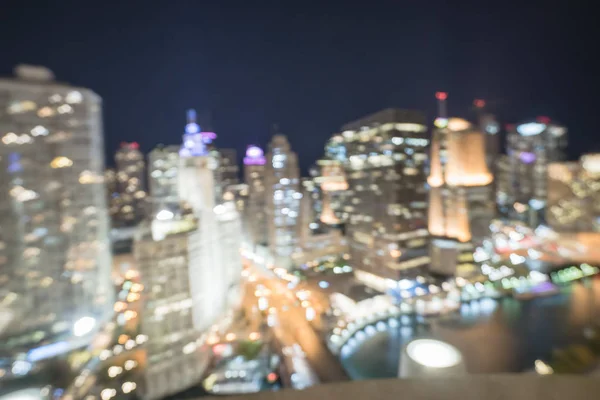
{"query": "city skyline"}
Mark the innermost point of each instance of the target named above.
(248, 78)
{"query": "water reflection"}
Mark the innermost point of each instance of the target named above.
(494, 336)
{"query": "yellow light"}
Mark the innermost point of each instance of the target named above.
(129, 315)
(230, 336)
(61, 162)
(123, 339)
(131, 297)
(120, 306)
(254, 336)
(45, 112)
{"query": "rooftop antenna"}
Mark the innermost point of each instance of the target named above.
(441, 97)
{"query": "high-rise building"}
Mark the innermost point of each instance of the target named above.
(254, 175)
(574, 195)
(228, 168)
(385, 205)
(282, 182)
(163, 164)
(316, 240)
(130, 199)
(461, 203)
(55, 262)
(531, 146)
(188, 259)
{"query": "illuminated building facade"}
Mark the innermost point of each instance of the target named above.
(385, 206)
(531, 146)
(55, 262)
(282, 183)
(189, 263)
(332, 183)
(175, 360)
(163, 164)
(574, 195)
(316, 240)
(461, 203)
(130, 202)
(254, 176)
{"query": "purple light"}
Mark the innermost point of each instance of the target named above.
(527, 157)
(208, 136)
(543, 287)
(254, 156)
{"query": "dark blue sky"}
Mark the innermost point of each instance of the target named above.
(309, 66)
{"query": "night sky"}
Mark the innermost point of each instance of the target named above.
(309, 66)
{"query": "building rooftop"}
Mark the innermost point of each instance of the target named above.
(385, 116)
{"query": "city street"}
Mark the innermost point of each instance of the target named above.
(285, 312)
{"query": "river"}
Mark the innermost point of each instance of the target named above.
(494, 336)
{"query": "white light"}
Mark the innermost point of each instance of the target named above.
(21, 367)
(310, 314)
(107, 394)
(74, 97)
(531, 128)
(83, 326)
(323, 284)
(458, 124)
(405, 284)
(39, 130)
(433, 353)
(24, 394)
(397, 140)
(164, 215)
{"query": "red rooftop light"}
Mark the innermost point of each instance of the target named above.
(543, 120)
(441, 95)
(134, 145)
(479, 103)
(510, 127)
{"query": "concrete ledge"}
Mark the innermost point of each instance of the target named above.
(474, 387)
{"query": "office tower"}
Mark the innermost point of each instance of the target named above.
(130, 180)
(316, 240)
(282, 182)
(189, 261)
(55, 261)
(163, 164)
(461, 203)
(491, 130)
(228, 168)
(164, 252)
(332, 183)
(385, 205)
(254, 175)
(574, 195)
(531, 146)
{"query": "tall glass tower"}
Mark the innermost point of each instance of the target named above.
(55, 288)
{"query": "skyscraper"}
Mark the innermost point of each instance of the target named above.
(385, 205)
(461, 198)
(531, 146)
(228, 168)
(574, 195)
(55, 261)
(282, 182)
(130, 198)
(254, 175)
(189, 260)
(163, 164)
